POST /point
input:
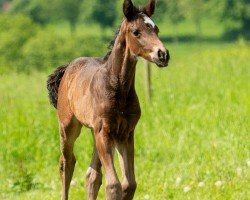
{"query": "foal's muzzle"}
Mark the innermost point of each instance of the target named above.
(163, 58)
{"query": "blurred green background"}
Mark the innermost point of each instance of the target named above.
(192, 141)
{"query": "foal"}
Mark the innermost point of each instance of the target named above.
(99, 93)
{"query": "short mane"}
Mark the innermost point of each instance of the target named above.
(112, 43)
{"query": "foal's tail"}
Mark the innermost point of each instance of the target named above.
(53, 83)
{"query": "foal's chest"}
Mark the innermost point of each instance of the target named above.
(121, 120)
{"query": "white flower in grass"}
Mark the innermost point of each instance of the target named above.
(146, 196)
(201, 184)
(239, 171)
(178, 180)
(73, 183)
(218, 183)
(186, 189)
(248, 163)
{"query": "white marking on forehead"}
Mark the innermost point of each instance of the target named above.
(147, 20)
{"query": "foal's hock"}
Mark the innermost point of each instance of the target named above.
(99, 93)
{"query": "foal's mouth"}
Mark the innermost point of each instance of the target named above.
(161, 64)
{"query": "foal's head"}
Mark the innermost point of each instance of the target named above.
(142, 34)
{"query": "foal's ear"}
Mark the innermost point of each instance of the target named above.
(129, 9)
(149, 9)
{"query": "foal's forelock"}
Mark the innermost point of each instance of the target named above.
(149, 21)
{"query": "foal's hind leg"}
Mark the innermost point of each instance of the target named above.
(70, 130)
(94, 176)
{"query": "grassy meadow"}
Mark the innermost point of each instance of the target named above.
(192, 141)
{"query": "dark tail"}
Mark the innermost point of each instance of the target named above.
(53, 84)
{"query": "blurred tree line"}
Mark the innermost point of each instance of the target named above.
(27, 46)
(28, 42)
(233, 14)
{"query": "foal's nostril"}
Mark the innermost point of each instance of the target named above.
(161, 55)
(167, 55)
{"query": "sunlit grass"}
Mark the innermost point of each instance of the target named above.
(192, 141)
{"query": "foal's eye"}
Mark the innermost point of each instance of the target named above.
(148, 26)
(136, 32)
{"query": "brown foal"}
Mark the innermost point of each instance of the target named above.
(99, 93)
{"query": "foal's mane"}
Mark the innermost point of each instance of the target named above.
(111, 43)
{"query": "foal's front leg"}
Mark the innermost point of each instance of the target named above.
(126, 158)
(104, 147)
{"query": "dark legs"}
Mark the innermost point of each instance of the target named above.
(69, 133)
(126, 158)
(102, 156)
(115, 190)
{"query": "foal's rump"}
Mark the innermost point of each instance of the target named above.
(85, 68)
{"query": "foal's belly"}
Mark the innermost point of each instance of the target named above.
(84, 112)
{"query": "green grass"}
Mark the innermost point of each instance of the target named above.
(196, 128)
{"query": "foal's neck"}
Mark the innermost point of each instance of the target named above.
(122, 62)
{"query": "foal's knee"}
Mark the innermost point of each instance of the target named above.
(73, 159)
(67, 162)
(61, 165)
(93, 177)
